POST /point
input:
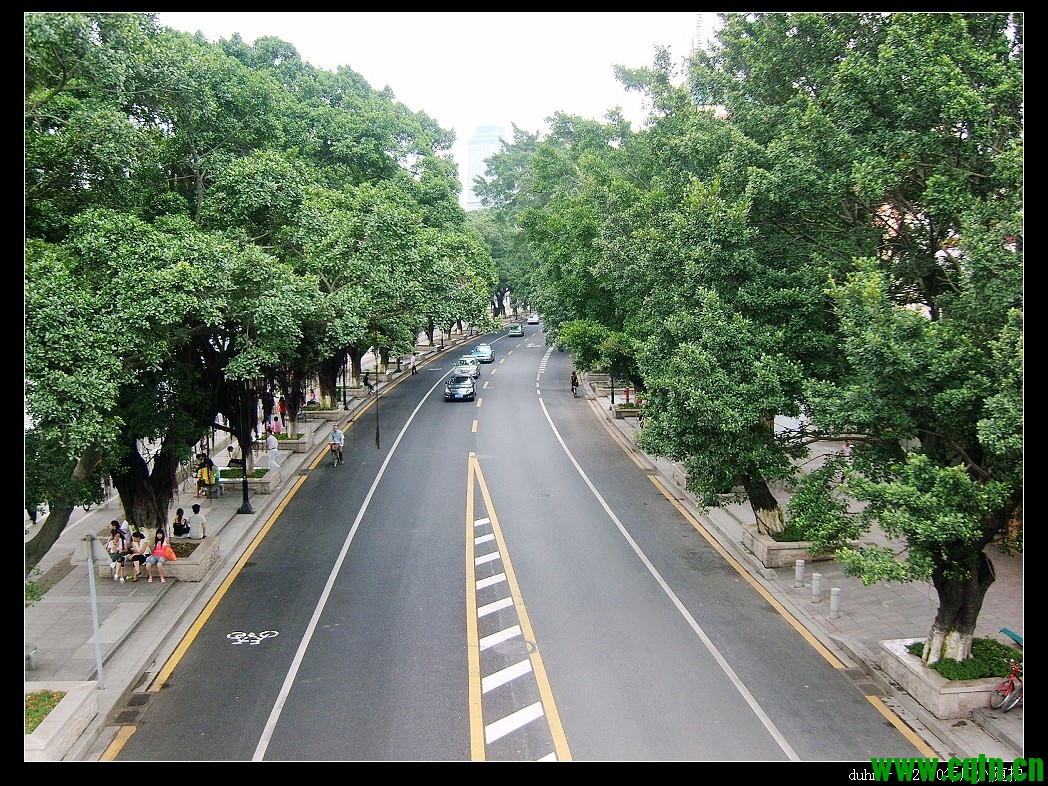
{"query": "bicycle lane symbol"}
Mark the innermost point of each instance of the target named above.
(240, 637)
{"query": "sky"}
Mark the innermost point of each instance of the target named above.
(474, 69)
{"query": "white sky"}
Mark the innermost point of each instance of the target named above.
(472, 69)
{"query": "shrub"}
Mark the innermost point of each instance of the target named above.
(792, 534)
(987, 660)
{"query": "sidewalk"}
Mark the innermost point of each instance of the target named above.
(139, 624)
(868, 615)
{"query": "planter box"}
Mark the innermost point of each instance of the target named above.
(945, 699)
(62, 727)
(773, 554)
(321, 414)
(626, 412)
(302, 444)
(262, 485)
(192, 568)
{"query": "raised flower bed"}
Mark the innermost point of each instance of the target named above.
(260, 481)
(300, 443)
(631, 410)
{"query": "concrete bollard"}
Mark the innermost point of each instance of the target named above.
(816, 588)
(798, 574)
(835, 602)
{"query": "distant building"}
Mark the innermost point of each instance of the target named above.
(485, 142)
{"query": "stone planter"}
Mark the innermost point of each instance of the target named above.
(62, 727)
(945, 699)
(301, 444)
(192, 568)
(773, 554)
(626, 412)
(262, 485)
(321, 414)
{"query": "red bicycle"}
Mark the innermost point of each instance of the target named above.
(1009, 693)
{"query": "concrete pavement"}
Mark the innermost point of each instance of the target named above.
(140, 624)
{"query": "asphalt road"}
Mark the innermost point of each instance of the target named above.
(497, 580)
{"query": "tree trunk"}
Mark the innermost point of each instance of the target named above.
(60, 511)
(355, 356)
(960, 602)
(328, 373)
(770, 517)
(146, 496)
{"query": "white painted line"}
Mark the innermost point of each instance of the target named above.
(483, 558)
(500, 728)
(491, 608)
(491, 580)
(484, 538)
(502, 676)
(498, 638)
(481, 522)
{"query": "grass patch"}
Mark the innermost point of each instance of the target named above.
(987, 660)
(38, 705)
(236, 473)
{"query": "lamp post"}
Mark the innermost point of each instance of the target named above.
(245, 507)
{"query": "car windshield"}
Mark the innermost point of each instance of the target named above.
(460, 380)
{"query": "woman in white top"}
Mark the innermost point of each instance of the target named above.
(115, 547)
(138, 553)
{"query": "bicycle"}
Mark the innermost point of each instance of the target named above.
(1009, 693)
(336, 454)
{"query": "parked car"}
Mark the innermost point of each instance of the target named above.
(484, 353)
(460, 387)
(516, 329)
(469, 367)
(533, 319)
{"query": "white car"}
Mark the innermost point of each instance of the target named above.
(466, 367)
(484, 353)
(533, 319)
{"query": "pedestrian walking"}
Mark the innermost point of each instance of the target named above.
(414, 363)
(272, 445)
(276, 426)
(268, 402)
(197, 523)
(282, 408)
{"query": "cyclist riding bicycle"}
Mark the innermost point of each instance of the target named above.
(574, 384)
(337, 439)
